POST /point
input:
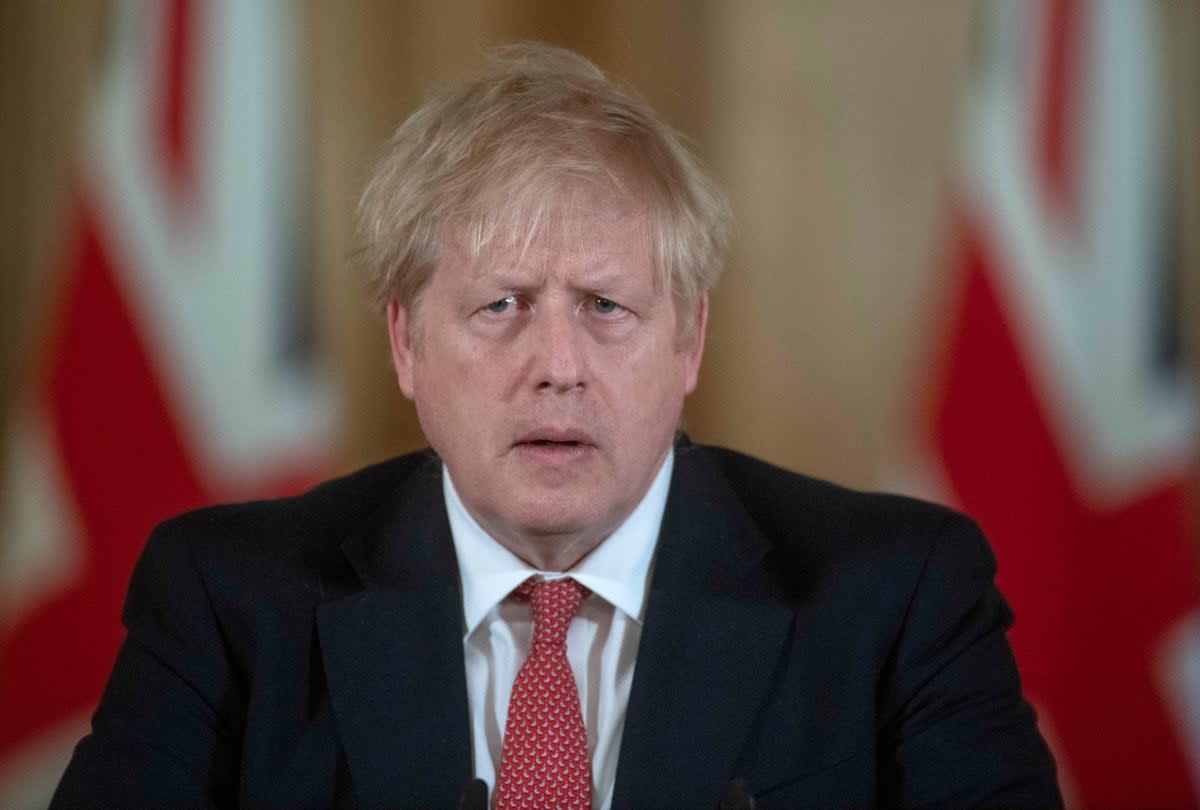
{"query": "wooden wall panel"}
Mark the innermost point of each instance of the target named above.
(47, 51)
(833, 129)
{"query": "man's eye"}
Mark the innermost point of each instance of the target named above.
(503, 305)
(605, 306)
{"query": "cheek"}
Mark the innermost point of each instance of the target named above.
(441, 394)
(662, 363)
(458, 389)
(649, 384)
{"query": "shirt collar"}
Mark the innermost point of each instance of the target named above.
(618, 570)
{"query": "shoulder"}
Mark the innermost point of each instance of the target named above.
(298, 535)
(777, 496)
(814, 523)
(329, 505)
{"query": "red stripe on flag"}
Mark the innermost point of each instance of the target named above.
(1059, 104)
(178, 131)
(1095, 592)
(126, 468)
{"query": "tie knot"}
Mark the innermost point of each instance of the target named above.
(554, 603)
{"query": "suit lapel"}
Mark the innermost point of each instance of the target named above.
(712, 636)
(393, 655)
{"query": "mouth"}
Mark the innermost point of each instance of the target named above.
(553, 437)
(555, 447)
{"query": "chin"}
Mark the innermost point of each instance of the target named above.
(555, 515)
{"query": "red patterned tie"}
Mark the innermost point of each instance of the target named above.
(544, 763)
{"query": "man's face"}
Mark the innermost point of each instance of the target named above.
(550, 380)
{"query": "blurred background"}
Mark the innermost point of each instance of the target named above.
(967, 267)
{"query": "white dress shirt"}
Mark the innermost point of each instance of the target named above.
(601, 642)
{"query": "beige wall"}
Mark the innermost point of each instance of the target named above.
(833, 138)
(46, 53)
(829, 123)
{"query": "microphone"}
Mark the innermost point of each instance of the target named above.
(736, 796)
(474, 796)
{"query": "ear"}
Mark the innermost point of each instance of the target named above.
(694, 350)
(400, 338)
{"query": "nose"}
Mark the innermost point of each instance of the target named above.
(560, 364)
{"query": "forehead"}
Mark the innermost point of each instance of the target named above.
(574, 240)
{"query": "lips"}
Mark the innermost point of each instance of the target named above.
(558, 449)
(550, 437)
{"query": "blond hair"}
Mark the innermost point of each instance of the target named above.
(492, 158)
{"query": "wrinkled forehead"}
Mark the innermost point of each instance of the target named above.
(574, 221)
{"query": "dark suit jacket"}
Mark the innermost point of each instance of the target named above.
(832, 648)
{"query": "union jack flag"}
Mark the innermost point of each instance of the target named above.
(179, 366)
(1058, 413)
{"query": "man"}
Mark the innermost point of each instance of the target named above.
(563, 599)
